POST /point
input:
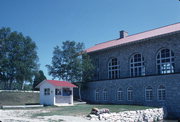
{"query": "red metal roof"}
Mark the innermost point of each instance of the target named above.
(136, 37)
(61, 83)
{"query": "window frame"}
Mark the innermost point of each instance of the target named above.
(120, 94)
(113, 70)
(160, 63)
(58, 91)
(105, 94)
(135, 70)
(97, 94)
(130, 90)
(162, 90)
(46, 91)
(66, 91)
(149, 90)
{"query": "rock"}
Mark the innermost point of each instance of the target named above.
(103, 110)
(94, 111)
(99, 111)
(148, 115)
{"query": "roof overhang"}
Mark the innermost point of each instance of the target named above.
(56, 83)
(159, 32)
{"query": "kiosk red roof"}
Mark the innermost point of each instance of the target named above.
(61, 83)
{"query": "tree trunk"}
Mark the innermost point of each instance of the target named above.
(10, 85)
(5, 85)
(22, 86)
(80, 92)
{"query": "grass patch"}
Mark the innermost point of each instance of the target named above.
(18, 98)
(84, 109)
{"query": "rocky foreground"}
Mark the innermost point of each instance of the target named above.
(148, 115)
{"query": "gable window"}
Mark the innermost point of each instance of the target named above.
(161, 93)
(129, 94)
(113, 69)
(148, 93)
(137, 67)
(105, 95)
(47, 91)
(119, 94)
(97, 95)
(165, 61)
(58, 92)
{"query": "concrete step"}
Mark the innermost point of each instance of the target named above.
(22, 106)
(78, 103)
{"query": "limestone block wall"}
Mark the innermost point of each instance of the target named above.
(148, 48)
(171, 82)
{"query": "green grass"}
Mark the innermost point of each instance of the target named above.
(18, 98)
(22, 98)
(85, 109)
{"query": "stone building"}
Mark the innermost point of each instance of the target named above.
(139, 69)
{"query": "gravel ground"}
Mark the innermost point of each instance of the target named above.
(26, 116)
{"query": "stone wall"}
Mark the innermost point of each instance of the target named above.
(148, 115)
(148, 48)
(171, 82)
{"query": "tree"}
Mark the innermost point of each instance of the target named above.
(72, 64)
(69, 63)
(18, 58)
(39, 77)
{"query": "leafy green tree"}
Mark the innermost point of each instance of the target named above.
(70, 63)
(18, 58)
(39, 77)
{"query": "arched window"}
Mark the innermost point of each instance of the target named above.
(105, 95)
(165, 61)
(119, 94)
(137, 67)
(149, 94)
(97, 94)
(130, 94)
(161, 93)
(113, 69)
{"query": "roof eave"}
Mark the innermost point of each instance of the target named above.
(133, 42)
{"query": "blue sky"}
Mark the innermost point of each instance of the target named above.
(50, 22)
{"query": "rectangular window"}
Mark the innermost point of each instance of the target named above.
(114, 69)
(105, 95)
(120, 95)
(47, 91)
(58, 92)
(149, 95)
(130, 95)
(161, 94)
(66, 92)
(97, 96)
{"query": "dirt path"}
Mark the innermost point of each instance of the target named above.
(26, 116)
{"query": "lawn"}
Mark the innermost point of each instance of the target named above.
(85, 109)
(18, 98)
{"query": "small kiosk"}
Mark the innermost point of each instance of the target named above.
(53, 92)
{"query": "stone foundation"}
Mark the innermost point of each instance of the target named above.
(148, 115)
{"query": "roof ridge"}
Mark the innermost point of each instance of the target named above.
(135, 37)
(153, 29)
(139, 33)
